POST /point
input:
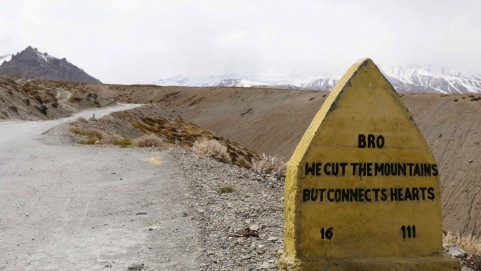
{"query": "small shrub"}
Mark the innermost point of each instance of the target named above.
(81, 120)
(93, 132)
(13, 108)
(225, 189)
(148, 140)
(41, 108)
(123, 142)
(90, 132)
(74, 99)
(212, 148)
(270, 165)
(111, 138)
(105, 119)
(244, 162)
(75, 130)
(89, 141)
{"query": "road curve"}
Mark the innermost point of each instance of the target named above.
(65, 207)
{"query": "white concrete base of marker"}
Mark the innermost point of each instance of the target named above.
(435, 263)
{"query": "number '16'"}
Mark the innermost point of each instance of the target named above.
(327, 233)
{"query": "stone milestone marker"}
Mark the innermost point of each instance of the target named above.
(362, 188)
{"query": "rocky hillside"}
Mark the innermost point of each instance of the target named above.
(32, 64)
(33, 100)
(127, 128)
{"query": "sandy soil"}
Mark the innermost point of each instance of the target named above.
(273, 121)
(70, 207)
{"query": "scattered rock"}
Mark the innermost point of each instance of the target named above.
(258, 204)
(476, 259)
(93, 117)
(244, 233)
(136, 267)
(456, 252)
(267, 265)
(254, 227)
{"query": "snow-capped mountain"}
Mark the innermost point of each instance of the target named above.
(32, 64)
(5, 58)
(432, 79)
(418, 79)
(268, 79)
(324, 84)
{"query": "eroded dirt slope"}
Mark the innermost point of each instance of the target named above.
(273, 121)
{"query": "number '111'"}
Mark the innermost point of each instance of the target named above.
(408, 231)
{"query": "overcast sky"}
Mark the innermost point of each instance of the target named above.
(128, 41)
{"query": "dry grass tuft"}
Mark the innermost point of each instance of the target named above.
(225, 189)
(270, 165)
(89, 141)
(468, 243)
(123, 142)
(89, 132)
(105, 119)
(111, 138)
(212, 148)
(81, 120)
(243, 162)
(117, 140)
(148, 140)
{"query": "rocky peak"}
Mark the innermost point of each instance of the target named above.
(33, 64)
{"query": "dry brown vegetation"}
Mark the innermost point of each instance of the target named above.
(88, 132)
(148, 140)
(225, 189)
(212, 148)
(273, 165)
(154, 127)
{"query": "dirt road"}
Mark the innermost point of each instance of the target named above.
(65, 207)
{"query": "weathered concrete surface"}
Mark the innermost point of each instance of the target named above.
(65, 207)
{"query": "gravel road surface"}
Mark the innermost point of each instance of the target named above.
(68, 207)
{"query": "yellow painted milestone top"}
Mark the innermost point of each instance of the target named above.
(362, 187)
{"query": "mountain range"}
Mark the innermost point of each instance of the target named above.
(415, 79)
(32, 64)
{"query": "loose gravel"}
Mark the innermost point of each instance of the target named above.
(255, 207)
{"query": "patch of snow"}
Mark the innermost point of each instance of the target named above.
(5, 58)
(44, 56)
